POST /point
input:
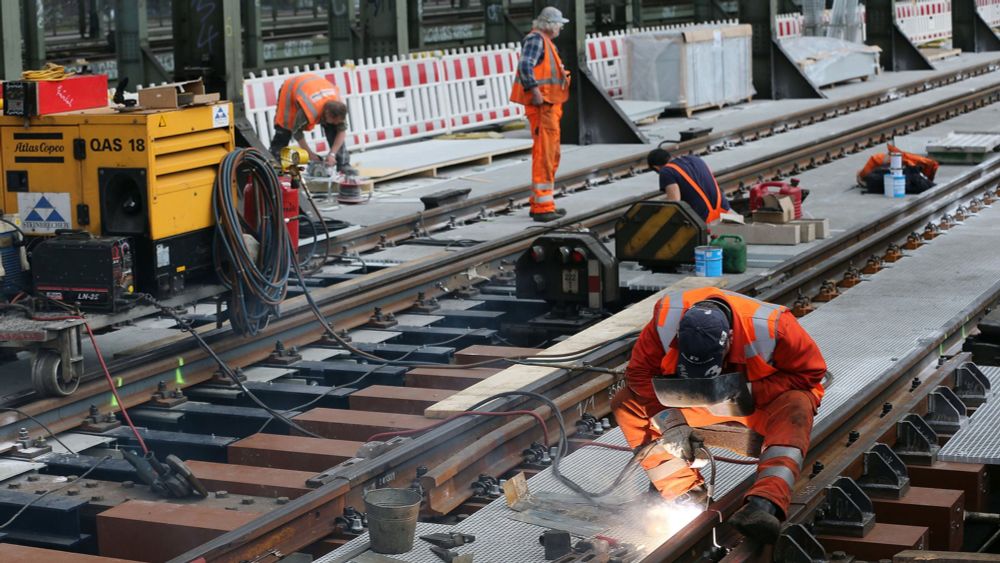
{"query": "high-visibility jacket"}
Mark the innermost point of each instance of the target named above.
(927, 166)
(549, 74)
(768, 346)
(307, 93)
(715, 210)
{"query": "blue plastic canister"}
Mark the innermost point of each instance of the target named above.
(708, 261)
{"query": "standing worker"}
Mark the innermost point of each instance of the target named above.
(303, 102)
(709, 332)
(689, 179)
(541, 86)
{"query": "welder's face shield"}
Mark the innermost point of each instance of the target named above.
(726, 394)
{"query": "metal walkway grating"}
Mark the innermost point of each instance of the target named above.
(979, 441)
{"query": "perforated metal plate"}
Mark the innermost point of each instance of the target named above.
(978, 441)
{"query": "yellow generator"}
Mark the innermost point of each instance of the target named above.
(142, 176)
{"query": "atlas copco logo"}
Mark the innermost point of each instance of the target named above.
(39, 148)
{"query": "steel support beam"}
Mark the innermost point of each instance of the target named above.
(34, 33)
(207, 45)
(708, 10)
(969, 31)
(135, 60)
(898, 52)
(341, 15)
(253, 41)
(637, 20)
(589, 116)
(775, 74)
(96, 28)
(499, 28)
(384, 30)
(415, 24)
(10, 40)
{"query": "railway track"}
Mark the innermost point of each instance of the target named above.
(498, 445)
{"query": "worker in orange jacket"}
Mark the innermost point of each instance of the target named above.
(704, 333)
(303, 102)
(541, 86)
(927, 166)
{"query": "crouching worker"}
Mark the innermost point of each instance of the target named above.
(754, 347)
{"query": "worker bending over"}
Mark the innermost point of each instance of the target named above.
(709, 332)
(541, 86)
(303, 102)
(689, 179)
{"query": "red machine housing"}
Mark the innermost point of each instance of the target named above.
(790, 188)
(289, 204)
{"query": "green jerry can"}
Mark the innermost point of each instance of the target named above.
(734, 253)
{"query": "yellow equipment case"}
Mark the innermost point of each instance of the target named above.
(144, 174)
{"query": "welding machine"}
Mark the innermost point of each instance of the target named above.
(94, 274)
(145, 174)
(659, 235)
(572, 270)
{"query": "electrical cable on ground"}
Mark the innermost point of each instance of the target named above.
(49, 492)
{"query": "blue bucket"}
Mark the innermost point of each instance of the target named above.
(708, 261)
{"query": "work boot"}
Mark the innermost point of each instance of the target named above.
(548, 216)
(758, 520)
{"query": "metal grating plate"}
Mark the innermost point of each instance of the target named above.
(978, 441)
(860, 333)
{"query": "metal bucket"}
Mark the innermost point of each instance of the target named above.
(392, 519)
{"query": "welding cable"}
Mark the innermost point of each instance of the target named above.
(223, 366)
(39, 497)
(39, 423)
(256, 273)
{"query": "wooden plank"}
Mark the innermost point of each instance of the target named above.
(401, 400)
(481, 353)
(344, 424)
(136, 529)
(456, 379)
(884, 541)
(519, 376)
(253, 481)
(299, 453)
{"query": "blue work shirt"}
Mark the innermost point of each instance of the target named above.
(698, 171)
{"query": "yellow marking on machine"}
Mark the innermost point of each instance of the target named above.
(648, 230)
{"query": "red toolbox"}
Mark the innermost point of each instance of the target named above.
(30, 98)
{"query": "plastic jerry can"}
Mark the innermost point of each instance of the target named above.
(734, 253)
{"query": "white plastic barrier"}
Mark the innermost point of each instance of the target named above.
(604, 60)
(400, 99)
(478, 83)
(990, 11)
(924, 21)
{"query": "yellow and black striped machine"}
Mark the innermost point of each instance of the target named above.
(659, 235)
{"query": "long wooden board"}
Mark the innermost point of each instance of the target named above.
(519, 376)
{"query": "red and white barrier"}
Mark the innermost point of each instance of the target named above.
(791, 25)
(990, 11)
(924, 21)
(604, 60)
(478, 83)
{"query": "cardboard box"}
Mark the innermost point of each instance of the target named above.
(175, 95)
(822, 226)
(775, 209)
(761, 233)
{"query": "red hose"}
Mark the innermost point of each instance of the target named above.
(107, 373)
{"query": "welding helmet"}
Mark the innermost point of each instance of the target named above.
(703, 339)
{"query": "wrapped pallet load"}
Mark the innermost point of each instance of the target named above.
(690, 68)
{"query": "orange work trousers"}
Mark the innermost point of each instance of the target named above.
(785, 423)
(545, 154)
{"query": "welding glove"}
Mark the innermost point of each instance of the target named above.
(676, 437)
